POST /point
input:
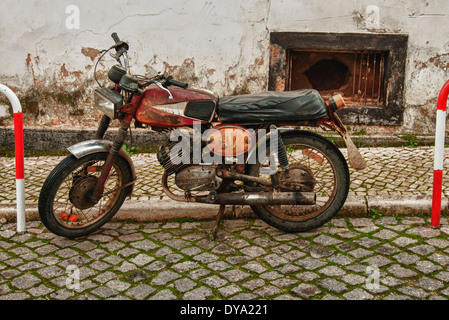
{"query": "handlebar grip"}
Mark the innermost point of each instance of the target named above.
(115, 37)
(180, 84)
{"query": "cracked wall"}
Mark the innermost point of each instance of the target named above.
(219, 45)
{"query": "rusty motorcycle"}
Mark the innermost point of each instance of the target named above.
(250, 149)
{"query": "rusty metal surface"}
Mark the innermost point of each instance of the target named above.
(230, 140)
(154, 97)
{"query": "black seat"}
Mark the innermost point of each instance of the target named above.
(272, 107)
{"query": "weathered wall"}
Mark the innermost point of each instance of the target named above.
(220, 45)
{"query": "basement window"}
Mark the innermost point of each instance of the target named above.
(367, 69)
(357, 75)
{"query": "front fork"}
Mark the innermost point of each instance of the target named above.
(113, 152)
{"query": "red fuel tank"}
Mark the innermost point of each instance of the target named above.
(188, 105)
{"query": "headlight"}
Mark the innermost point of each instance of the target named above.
(108, 101)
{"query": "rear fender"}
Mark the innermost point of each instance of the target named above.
(88, 147)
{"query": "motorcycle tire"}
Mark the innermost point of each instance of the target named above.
(312, 148)
(64, 206)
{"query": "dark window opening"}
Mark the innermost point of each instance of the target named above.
(358, 76)
(328, 75)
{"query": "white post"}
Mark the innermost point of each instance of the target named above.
(19, 154)
(439, 155)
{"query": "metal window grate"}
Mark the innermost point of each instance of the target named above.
(368, 74)
(358, 75)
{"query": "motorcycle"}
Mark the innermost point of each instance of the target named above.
(239, 150)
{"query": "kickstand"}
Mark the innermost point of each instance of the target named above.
(217, 223)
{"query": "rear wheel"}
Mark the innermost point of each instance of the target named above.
(316, 165)
(65, 205)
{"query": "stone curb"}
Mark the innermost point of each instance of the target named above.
(150, 210)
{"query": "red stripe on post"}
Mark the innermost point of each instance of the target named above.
(436, 197)
(18, 137)
(442, 98)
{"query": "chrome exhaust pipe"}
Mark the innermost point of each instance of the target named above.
(260, 198)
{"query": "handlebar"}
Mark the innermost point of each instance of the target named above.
(122, 47)
(115, 37)
(172, 82)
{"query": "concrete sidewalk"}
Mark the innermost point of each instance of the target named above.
(396, 181)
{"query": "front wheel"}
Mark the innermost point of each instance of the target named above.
(65, 205)
(316, 165)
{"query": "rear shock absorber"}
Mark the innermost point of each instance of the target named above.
(282, 153)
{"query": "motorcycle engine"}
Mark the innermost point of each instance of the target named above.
(188, 176)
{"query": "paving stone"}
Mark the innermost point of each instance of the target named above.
(274, 260)
(104, 292)
(271, 275)
(253, 284)
(235, 275)
(25, 281)
(378, 260)
(267, 291)
(353, 279)
(214, 281)
(331, 284)
(253, 251)
(385, 234)
(391, 281)
(165, 294)
(319, 251)
(118, 285)
(140, 292)
(201, 293)
(284, 282)
(137, 276)
(414, 292)
(404, 241)
(310, 263)
(332, 271)
(205, 257)
(367, 242)
(406, 258)
(422, 249)
(340, 259)
(400, 272)
(254, 266)
(427, 267)
(164, 277)
(429, 284)
(443, 276)
(184, 285)
(440, 259)
(307, 276)
(230, 290)
(326, 240)
(360, 253)
(306, 290)
(358, 294)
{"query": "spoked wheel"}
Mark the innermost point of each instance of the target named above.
(65, 205)
(316, 165)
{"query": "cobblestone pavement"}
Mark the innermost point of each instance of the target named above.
(391, 257)
(391, 172)
(349, 258)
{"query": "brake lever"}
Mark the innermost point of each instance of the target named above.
(164, 88)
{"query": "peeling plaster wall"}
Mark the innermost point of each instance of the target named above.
(219, 45)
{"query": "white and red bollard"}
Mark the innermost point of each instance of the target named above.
(20, 160)
(439, 155)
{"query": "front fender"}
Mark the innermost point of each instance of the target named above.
(85, 148)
